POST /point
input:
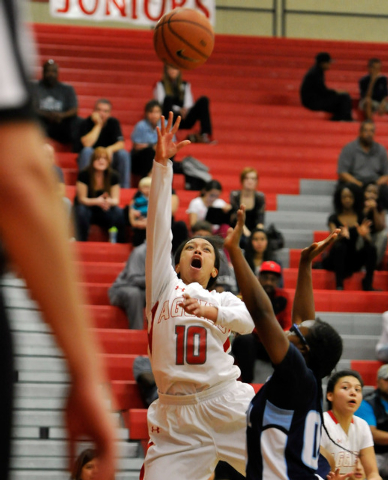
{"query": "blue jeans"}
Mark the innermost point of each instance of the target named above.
(121, 163)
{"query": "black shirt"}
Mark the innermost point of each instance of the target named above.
(379, 91)
(313, 86)
(110, 132)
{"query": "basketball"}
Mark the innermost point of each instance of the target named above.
(183, 38)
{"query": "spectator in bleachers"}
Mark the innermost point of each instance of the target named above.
(316, 96)
(353, 247)
(128, 290)
(382, 344)
(258, 250)
(86, 465)
(363, 161)
(174, 94)
(56, 105)
(247, 348)
(346, 436)
(253, 200)
(373, 90)
(374, 212)
(209, 197)
(100, 129)
(374, 410)
(97, 197)
(137, 212)
(144, 138)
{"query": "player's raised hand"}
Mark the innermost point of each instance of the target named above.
(316, 248)
(166, 147)
(233, 237)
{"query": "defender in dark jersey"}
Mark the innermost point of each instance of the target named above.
(33, 228)
(284, 418)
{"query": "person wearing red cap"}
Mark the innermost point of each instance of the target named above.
(247, 348)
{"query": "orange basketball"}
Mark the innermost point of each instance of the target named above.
(184, 38)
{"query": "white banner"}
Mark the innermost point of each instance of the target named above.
(142, 12)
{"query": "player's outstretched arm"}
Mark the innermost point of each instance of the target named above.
(33, 227)
(166, 147)
(304, 307)
(254, 296)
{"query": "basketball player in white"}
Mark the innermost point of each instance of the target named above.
(199, 417)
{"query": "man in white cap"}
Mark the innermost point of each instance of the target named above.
(374, 410)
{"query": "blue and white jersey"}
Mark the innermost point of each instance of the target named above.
(284, 423)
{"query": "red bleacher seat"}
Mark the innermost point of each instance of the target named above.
(367, 369)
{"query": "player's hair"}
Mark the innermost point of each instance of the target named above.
(173, 88)
(372, 61)
(325, 348)
(245, 171)
(103, 100)
(358, 197)
(333, 380)
(99, 152)
(216, 243)
(83, 458)
(149, 106)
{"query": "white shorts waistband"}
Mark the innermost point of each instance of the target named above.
(198, 397)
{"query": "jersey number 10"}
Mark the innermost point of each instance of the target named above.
(191, 345)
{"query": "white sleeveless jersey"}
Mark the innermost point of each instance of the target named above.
(188, 354)
(358, 437)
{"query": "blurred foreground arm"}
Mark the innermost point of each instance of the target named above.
(33, 227)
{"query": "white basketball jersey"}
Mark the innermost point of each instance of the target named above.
(188, 354)
(358, 437)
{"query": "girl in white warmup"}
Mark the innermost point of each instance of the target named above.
(347, 437)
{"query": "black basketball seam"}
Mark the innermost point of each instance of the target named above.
(169, 52)
(166, 22)
(187, 43)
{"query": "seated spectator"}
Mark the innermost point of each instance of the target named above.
(226, 280)
(174, 94)
(144, 138)
(373, 90)
(56, 105)
(382, 344)
(374, 212)
(247, 348)
(317, 97)
(209, 197)
(128, 290)
(353, 247)
(253, 200)
(363, 161)
(258, 250)
(346, 436)
(142, 373)
(138, 211)
(373, 410)
(103, 130)
(86, 465)
(97, 197)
